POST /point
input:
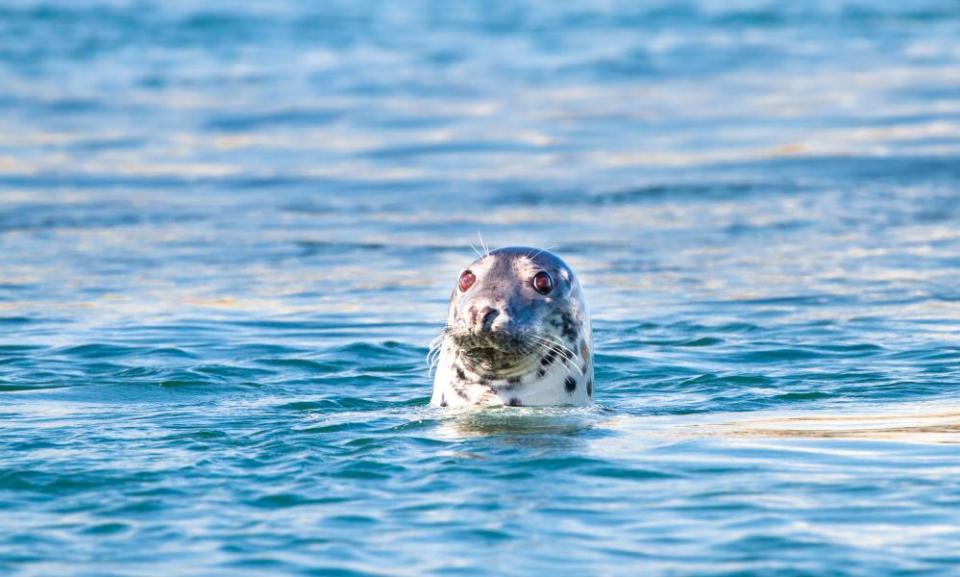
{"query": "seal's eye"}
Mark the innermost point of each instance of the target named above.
(542, 283)
(466, 280)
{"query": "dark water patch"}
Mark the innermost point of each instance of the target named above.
(171, 352)
(106, 529)
(44, 217)
(895, 390)
(484, 536)
(678, 327)
(9, 286)
(628, 474)
(650, 193)
(100, 368)
(846, 168)
(805, 396)
(449, 148)
(326, 324)
(189, 381)
(259, 564)
(139, 373)
(63, 483)
(20, 350)
(310, 248)
(305, 365)
(779, 354)
(380, 351)
(794, 300)
(725, 382)
(99, 350)
(231, 373)
(94, 145)
(334, 571)
(248, 121)
(351, 520)
(286, 500)
(366, 472)
(741, 228)
(8, 387)
(150, 333)
(932, 355)
(144, 183)
(259, 349)
(859, 349)
(202, 436)
(697, 342)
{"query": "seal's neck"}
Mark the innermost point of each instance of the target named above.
(544, 377)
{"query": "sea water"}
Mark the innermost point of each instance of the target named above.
(229, 230)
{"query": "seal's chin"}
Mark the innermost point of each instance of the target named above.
(495, 353)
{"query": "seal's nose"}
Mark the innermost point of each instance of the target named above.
(483, 317)
(489, 315)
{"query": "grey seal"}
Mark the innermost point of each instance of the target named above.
(517, 333)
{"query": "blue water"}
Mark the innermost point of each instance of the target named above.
(228, 231)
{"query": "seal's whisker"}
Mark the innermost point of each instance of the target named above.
(556, 342)
(539, 252)
(562, 351)
(566, 368)
(567, 353)
(437, 340)
(436, 349)
(433, 359)
(483, 245)
(434, 352)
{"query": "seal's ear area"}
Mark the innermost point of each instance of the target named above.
(565, 276)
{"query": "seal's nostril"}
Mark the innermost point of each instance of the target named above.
(489, 316)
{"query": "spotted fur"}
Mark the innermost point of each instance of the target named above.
(505, 343)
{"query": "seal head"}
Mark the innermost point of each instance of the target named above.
(518, 333)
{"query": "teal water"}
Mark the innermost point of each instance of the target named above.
(228, 232)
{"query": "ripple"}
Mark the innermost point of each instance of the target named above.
(99, 350)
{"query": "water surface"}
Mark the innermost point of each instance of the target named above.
(228, 232)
